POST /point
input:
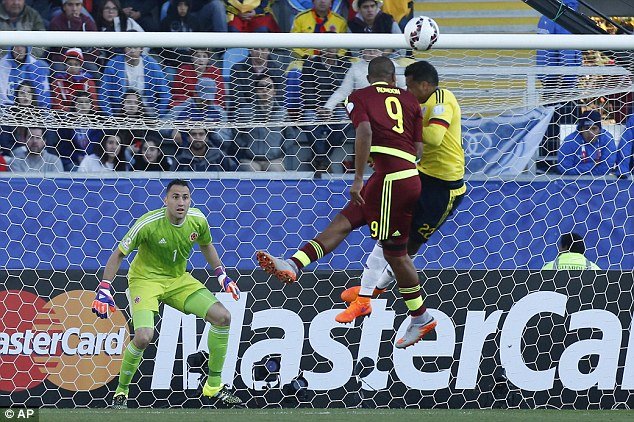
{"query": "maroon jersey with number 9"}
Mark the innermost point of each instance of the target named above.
(396, 121)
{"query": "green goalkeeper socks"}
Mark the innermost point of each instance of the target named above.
(217, 342)
(131, 360)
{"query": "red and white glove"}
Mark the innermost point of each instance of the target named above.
(104, 300)
(226, 283)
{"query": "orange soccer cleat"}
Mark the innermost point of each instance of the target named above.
(359, 307)
(351, 294)
(415, 333)
(277, 267)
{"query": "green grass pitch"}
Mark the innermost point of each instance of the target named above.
(343, 415)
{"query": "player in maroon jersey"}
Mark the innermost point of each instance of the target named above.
(388, 123)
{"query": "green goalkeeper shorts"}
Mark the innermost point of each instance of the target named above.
(145, 295)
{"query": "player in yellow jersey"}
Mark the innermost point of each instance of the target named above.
(164, 239)
(441, 170)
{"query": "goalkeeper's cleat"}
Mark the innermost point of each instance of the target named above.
(120, 401)
(351, 294)
(222, 394)
(415, 333)
(277, 267)
(358, 308)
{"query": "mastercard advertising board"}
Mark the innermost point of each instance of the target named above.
(60, 341)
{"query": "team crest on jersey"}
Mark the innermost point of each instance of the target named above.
(193, 236)
(349, 107)
(137, 299)
(126, 242)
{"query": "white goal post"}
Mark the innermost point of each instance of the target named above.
(296, 40)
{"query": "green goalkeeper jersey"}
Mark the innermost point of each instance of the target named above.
(163, 247)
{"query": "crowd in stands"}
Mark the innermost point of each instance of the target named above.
(182, 85)
(204, 89)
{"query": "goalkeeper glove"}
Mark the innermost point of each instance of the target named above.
(104, 300)
(227, 284)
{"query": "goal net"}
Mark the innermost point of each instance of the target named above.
(93, 131)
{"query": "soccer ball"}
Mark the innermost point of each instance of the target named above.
(421, 33)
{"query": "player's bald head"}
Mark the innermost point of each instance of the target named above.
(381, 69)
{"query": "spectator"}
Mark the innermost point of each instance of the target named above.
(261, 147)
(286, 10)
(72, 19)
(132, 106)
(557, 57)
(355, 78)
(84, 104)
(400, 10)
(180, 18)
(202, 106)
(55, 8)
(625, 160)
(45, 8)
(134, 111)
(565, 112)
(111, 18)
(260, 61)
(24, 105)
(108, 155)
(212, 15)
(138, 72)
(33, 157)
(145, 12)
(570, 257)
(251, 16)
(74, 144)
(205, 153)
(319, 19)
(151, 158)
(369, 18)
(188, 75)
(19, 65)
(24, 95)
(74, 79)
(320, 76)
(590, 150)
(17, 16)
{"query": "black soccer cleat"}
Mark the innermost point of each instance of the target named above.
(120, 401)
(222, 395)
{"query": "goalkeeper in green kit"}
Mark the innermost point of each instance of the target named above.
(164, 239)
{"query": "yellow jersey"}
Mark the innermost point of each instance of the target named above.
(308, 22)
(397, 8)
(442, 158)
